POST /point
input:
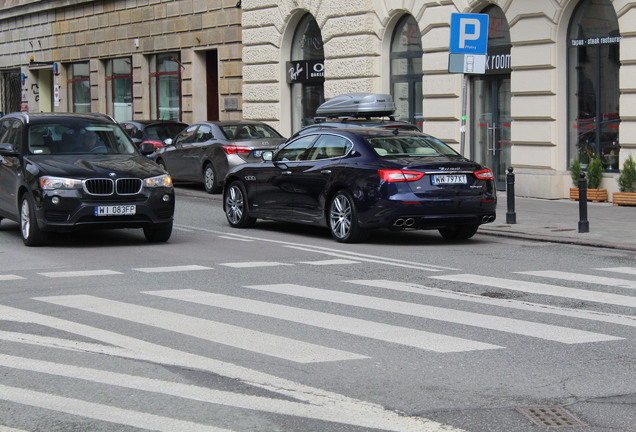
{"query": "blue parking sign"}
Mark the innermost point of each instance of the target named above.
(469, 33)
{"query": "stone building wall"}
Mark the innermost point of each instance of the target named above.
(79, 30)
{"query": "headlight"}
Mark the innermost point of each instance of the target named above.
(159, 181)
(51, 183)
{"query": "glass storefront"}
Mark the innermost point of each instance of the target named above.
(119, 88)
(491, 100)
(593, 92)
(165, 86)
(79, 87)
(406, 71)
(305, 72)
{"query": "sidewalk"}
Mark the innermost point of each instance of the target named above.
(557, 221)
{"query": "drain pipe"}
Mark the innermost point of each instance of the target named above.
(511, 215)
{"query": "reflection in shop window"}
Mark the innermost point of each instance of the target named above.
(79, 87)
(593, 74)
(165, 86)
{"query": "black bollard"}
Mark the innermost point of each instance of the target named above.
(584, 225)
(511, 215)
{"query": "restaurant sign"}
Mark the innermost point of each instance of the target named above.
(595, 41)
(305, 71)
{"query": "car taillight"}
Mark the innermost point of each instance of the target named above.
(485, 174)
(234, 149)
(392, 176)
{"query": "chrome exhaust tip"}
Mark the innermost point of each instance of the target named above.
(409, 222)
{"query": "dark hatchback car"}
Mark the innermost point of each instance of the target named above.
(155, 132)
(355, 180)
(205, 151)
(62, 172)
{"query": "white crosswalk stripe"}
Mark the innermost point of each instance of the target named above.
(212, 331)
(492, 322)
(624, 270)
(169, 269)
(579, 277)
(388, 333)
(543, 289)
(9, 277)
(80, 273)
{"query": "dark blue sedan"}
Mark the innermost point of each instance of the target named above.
(355, 180)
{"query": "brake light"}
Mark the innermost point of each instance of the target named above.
(392, 176)
(485, 174)
(234, 149)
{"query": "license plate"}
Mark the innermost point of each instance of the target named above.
(449, 179)
(115, 210)
(257, 153)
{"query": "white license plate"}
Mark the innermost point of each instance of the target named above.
(115, 210)
(257, 153)
(449, 179)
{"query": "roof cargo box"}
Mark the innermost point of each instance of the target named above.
(357, 105)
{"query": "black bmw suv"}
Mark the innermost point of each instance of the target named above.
(68, 171)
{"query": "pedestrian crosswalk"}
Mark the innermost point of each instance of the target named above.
(439, 315)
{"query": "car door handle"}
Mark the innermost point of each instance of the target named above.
(326, 171)
(286, 172)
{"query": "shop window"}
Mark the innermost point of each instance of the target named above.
(593, 78)
(119, 88)
(406, 70)
(307, 89)
(165, 86)
(79, 87)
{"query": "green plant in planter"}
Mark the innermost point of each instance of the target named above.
(594, 173)
(575, 172)
(627, 178)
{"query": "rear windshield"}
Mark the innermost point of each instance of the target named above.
(239, 132)
(79, 137)
(415, 146)
(161, 132)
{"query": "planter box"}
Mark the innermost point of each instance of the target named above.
(624, 198)
(594, 195)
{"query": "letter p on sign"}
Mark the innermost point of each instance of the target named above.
(469, 30)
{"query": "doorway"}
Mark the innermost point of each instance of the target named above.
(491, 124)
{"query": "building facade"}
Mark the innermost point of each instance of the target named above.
(559, 82)
(132, 59)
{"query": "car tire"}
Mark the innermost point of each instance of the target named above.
(158, 234)
(210, 179)
(29, 229)
(342, 219)
(235, 206)
(459, 232)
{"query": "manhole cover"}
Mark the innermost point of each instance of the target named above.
(554, 416)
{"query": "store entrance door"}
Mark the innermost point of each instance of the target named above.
(491, 124)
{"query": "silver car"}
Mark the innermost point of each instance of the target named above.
(205, 151)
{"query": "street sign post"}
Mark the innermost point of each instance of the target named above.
(468, 51)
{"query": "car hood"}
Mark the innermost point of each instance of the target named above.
(86, 166)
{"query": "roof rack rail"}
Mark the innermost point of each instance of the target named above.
(357, 105)
(104, 115)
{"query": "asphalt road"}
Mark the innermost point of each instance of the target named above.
(280, 328)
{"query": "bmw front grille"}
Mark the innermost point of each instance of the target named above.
(106, 187)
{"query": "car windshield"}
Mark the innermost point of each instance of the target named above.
(161, 132)
(412, 146)
(251, 131)
(78, 136)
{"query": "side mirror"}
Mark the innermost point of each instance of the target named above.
(7, 149)
(146, 148)
(267, 155)
(167, 141)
